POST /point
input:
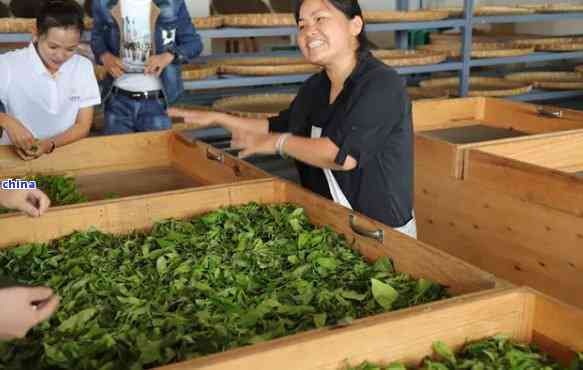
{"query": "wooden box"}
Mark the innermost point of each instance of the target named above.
(513, 206)
(134, 164)
(446, 129)
(407, 336)
(140, 212)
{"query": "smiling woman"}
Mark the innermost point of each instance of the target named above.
(349, 127)
(48, 91)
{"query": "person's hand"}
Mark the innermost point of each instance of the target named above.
(198, 117)
(253, 143)
(113, 65)
(19, 135)
(31, 201)
(36, 150)
(156, 63)
(22, 308)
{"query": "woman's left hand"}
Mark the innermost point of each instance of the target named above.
(253, 143)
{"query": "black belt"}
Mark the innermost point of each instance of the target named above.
(137, 95)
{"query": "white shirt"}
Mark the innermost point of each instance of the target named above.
(47, 105)
(136, 46)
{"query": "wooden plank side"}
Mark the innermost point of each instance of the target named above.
(92, 154)
(524, 117)
(521, 242)
(557, 328)
(439, 156)
(528, 182)
(409, 255)
(133, 213)
(374, 339)
(430, 114)
(196, 159)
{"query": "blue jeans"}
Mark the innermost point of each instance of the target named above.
(124, 115)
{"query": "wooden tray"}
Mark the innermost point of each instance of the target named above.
(259, 20)
(138, 213)
(480, 86)
(269, 70)
(205, 23)
(398, 58)
(135, 164)
(522, 314)
(549, 80)
(381, 16)
(260, 61)
(198, 71)
(255, 106)
(476, 214)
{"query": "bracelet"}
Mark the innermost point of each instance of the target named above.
(280, 143)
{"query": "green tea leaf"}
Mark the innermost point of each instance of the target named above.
(384, 294)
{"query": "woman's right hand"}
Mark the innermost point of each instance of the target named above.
(22, 308)
(113, 65)
(19, 135)
(198, 117)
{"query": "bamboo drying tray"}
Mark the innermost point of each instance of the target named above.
(549, 80)
(198, 72)
(541, 42)
(482, 11)
(579, 69)
(419, 93)
(269, 70)
(205, 23)
(553, 8)
(259, 20)
(16, 25)
(398, 58)
(254, 106)
(480, 86)
(261, 61)
(404, 16)
(481, 50)
(575, 46)
(446, 38)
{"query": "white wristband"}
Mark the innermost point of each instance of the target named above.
(280, 143)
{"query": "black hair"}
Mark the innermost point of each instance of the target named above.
(61, 14)
(351, 9)
(25, 8)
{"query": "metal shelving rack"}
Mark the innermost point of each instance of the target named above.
(463, 66)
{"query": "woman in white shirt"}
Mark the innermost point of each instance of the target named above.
(48, 91)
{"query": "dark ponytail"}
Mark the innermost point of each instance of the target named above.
(351, 9)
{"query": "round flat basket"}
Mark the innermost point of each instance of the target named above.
(16, 25)
(402, 16)
(198, 72)
(553, 8)
(579, 69)
(446, 38)
(480, 86)
(261, 61)
(575, 46)
(481, 50)
(254, 106)
(539, 42)
(259, 20)
(205, 23)
(269, 70)
(420, 93)
(549, 80)
(398, 58)
(483, 11)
